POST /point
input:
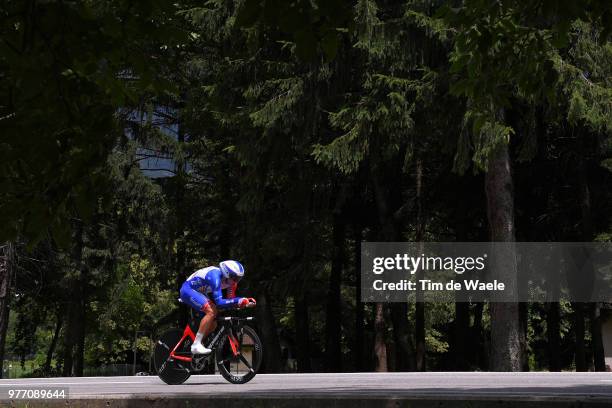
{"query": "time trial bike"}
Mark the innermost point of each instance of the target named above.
(236, 351)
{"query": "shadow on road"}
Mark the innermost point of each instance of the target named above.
(565, 392)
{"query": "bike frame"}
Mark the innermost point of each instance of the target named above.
(188, 333)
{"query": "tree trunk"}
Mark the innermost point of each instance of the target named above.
(553, 333)
(179, 233)
(333, 326)
(599, 362)
(74, 336)
(358, 355)
(461, 326)
(580, 351)
(73, 330)
(523, 289)
(302, 332)
(403, 356)
(53, 344)
(7, 257)
(505, 341)
(553, 315)
(81, 320)
(69, 340)
(524, 328)
(461, 335)
(80, 340)
(387, 233)
(599, 359)
(419, 334)
(480, 350)
(269, 336)
(380, 345)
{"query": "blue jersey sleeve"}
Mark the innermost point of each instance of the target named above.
(217, 294)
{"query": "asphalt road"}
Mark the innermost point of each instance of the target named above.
(540, 386)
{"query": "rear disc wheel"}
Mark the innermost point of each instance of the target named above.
(171, 372)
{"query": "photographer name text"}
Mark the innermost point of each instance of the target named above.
(429, 285)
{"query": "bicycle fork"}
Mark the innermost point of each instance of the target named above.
(233, 344)
(232, 340)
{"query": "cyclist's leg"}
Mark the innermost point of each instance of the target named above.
(208, 323)
(201, 303)
(193, 298)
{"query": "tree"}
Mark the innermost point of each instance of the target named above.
(67, 67)
(502, 54)
(283, 134)
(7, 260)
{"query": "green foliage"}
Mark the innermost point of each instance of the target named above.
(272, 121)
(585, 78)
(503, 55)
(377, 120)
(314, 26)
(136, 301)
(489, 135)
(67, 67)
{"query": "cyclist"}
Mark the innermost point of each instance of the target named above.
(211, 281)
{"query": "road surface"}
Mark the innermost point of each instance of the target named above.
(453, 388)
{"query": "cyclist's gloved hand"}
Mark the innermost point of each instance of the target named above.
(244, 302)
(252, 302)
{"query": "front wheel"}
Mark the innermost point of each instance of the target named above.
(170, 371)
(239, 355)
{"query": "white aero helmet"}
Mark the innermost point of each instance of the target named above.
(232, 269)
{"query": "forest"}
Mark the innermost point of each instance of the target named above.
(142, 140)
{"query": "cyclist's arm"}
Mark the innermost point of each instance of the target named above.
(231, 291)
(217, 295)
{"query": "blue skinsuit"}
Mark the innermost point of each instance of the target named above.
(210, 281)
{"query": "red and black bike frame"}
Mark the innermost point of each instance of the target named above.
(188, 333)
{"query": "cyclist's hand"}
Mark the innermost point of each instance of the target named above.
(252, 302)
(244, 302)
